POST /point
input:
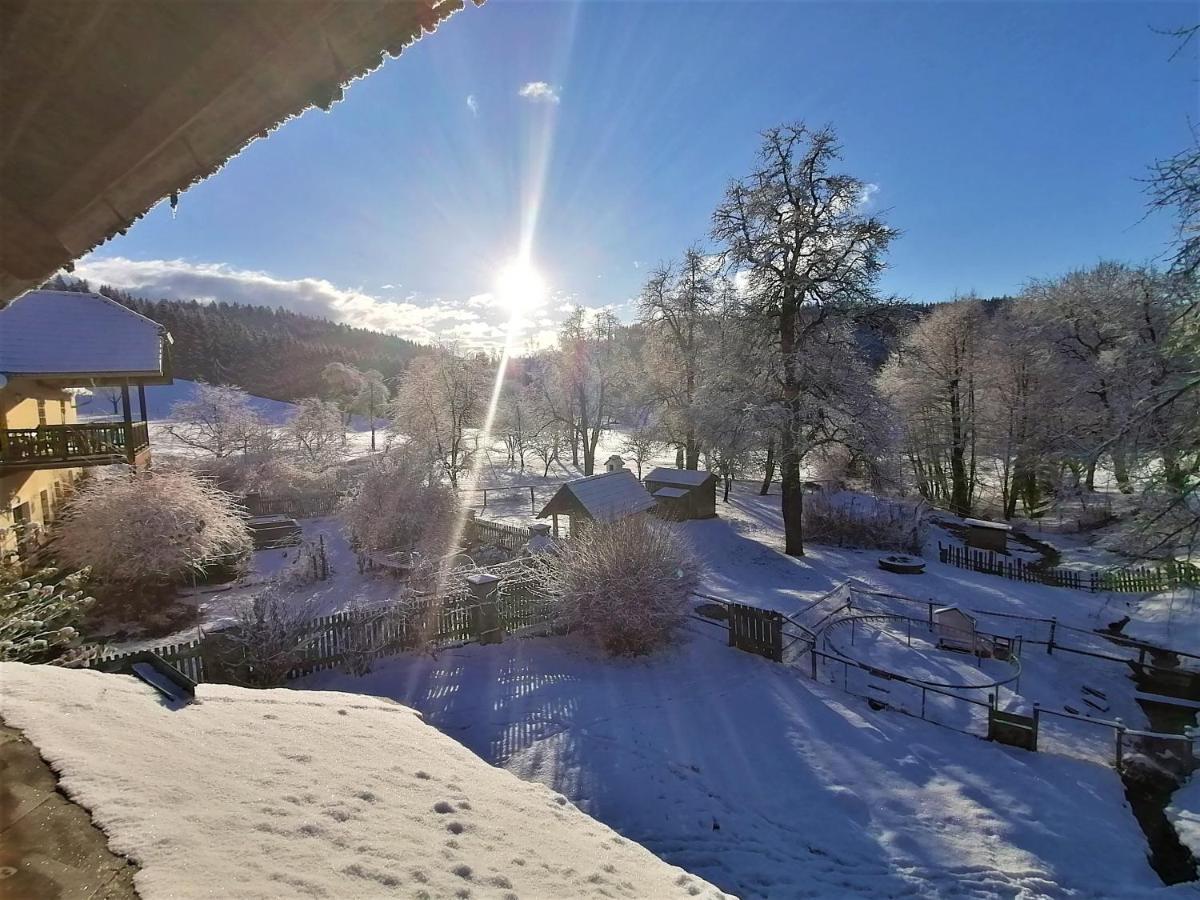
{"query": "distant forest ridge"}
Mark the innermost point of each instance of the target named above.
(279, 354)
(266, 351)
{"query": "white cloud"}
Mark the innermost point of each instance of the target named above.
(480, 321)
(869, 190)
(472, 104)
(539, 92)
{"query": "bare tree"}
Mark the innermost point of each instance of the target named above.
(219, 420)
(809, 253)
(592, 362)
(676, 307)
(317, 431)
(372, 399)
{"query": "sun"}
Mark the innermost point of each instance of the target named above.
(520, 288)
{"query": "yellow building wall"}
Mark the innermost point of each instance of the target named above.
(39, 492)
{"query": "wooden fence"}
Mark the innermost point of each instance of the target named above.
(756, 630)
(1130, 581)
(294, 507)
(509, 538)
(370, 632)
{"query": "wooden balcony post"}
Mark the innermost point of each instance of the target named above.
(130, 450)
(142, 400)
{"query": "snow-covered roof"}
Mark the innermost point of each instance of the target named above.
(954, 609)
(280, 793)
(605, 498)
(73, 333)
(689, 477)
(671, 492)
(981, 523)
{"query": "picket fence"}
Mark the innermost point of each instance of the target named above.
(372, 632)
(1129, 581)
(509, 538)
(293, 507)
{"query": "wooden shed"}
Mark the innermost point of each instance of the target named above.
(984, 535)
(683, 493)
(598, 498)
(955, 629)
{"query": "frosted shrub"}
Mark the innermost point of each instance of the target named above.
(398, 506)
(269, 637)
(625, 584)
(39, 616)
(847, 521)
(138, 531)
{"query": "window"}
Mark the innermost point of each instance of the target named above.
(41, 407)
(62, 411)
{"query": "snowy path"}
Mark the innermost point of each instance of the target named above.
(749, 775)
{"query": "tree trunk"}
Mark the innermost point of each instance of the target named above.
(960, 487)
(1120, 458)
(1090, 482)
(769, 476)
(728, 484)
(793, 498)
(792, 502)
(691, 450)
(679, 460)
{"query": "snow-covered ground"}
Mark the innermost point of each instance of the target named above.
(279, 794)
(214, 607)
(768, 785)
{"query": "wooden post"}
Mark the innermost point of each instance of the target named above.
(1120, 745)
(485, 614)
(128, 412)
(1053, 629)
(554, 518)
(142, 399)
(532, 506)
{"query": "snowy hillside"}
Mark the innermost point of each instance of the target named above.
(312, 794)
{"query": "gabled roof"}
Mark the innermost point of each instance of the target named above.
(52, 333)
(603, 498)
(686, 477)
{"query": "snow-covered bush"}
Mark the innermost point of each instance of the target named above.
(400, 506)
(269, 636)
(39, 615)
(139, 531)
(625, 584)
(846, 521)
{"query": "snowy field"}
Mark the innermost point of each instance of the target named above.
(263, 795)
(767, 785)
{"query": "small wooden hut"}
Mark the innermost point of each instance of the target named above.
(955, 629)
(984, 535)
(598, 498)
(683, 493)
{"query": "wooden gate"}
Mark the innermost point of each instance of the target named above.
(756, 630)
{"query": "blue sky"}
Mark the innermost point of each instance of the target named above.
(1005, 141)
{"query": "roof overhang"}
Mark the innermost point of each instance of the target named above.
(111, 105)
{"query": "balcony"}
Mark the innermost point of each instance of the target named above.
(81, 444)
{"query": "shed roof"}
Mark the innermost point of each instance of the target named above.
(111, 105)
(671, 492)
(70, 333)
(604, 498)
(686, 477)
(955, 609)
(982, 523)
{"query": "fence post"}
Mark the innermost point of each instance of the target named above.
(470, 531)
(1120, 744)
(1037, 723)
(485, 614)
(1053, 629)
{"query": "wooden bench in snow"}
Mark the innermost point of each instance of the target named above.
(270, 532)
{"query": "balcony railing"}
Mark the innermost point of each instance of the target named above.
(94, 443)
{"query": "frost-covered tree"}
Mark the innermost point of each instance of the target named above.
(625, 584)
(810, 255)
(317, 432)
(139, 531)
(934, 382)
(592, 367)
(218, 420)
(676, 309)
(40, 615)
(401, 505)
(441, 397)
(372, 400)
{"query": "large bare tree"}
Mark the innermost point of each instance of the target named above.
(810, 254)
